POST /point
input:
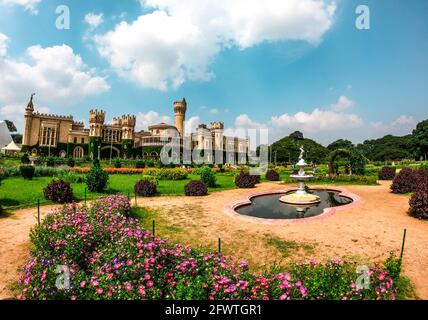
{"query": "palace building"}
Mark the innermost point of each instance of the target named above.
(55, 135)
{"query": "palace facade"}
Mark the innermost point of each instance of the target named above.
(56, 135)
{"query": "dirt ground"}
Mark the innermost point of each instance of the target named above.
(367, 232)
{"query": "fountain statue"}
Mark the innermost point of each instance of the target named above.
(300, 196)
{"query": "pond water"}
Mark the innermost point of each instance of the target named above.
(269, 206)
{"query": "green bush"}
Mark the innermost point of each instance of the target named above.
(25, 159)
(208, 177)
(97, 179)
(96, 163)
(70, 162)
(167, 174)
(117, 163)
(140, 164)
(50, 162)
(27, 172)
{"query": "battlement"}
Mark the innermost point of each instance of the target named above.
(180, 106)
(128, 120)
(53, 116)
(217, 125)
(96, 116)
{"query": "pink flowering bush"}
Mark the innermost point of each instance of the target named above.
(108, 255)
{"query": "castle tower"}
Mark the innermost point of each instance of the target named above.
(128, 128)
(180, 108)
(128, 125)
(96, 123)
(217, 129)
(28, 119)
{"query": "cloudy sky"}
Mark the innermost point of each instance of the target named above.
(284, 65)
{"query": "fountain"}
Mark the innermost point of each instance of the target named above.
(300, 197)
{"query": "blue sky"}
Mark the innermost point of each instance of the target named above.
(273, 64)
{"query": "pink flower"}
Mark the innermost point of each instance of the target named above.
(100, 290)
(129, 262)
(150, 283)
(128, 287)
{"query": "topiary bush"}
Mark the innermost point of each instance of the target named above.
(246, 180)
(97, 179)
(25, 159)
(410, 180)
(71, 163)
(386, 173)
(96, 163)
(50, 162)
(27, 172)
(140, 164)
(117, 163)
(196, 188)
(208, 177)
(58, 191)
(404, 181)
(145, 188)
(421, 180)
(272, 175)
(419, 204)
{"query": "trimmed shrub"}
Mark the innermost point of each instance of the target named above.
(386, 173)
(117, 164)
(58, 191)
(404, 181)
(97, 179)
(25, 159)
(272, 175)
(246, 180)
(424, 167)
(27, 172)
(96, 163)
(50, 162)
(196, 188)
(419, 205)
(145, 188)
(410, 180)
(140, 164)
(208, 177)
(71, 163)
(167, 174)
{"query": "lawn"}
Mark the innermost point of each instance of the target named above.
(15, 192)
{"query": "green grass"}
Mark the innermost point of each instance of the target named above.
(15, 192)
(287, 247)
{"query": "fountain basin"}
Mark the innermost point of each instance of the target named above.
(269, 210)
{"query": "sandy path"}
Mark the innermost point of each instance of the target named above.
(14, 245)
(369, 231)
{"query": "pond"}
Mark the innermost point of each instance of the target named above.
(269, 207)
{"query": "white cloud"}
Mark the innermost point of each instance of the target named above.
(152, 117)
(30, 5)
(403, 125)
(94, 20)
(3, 44)
(191, 124)
(342, 104)
(319, 123)
(56, 74)
(178, 40)
(213, 111)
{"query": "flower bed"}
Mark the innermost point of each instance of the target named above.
(108, 255)
(111, 170)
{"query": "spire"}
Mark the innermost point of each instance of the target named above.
(30, 106)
